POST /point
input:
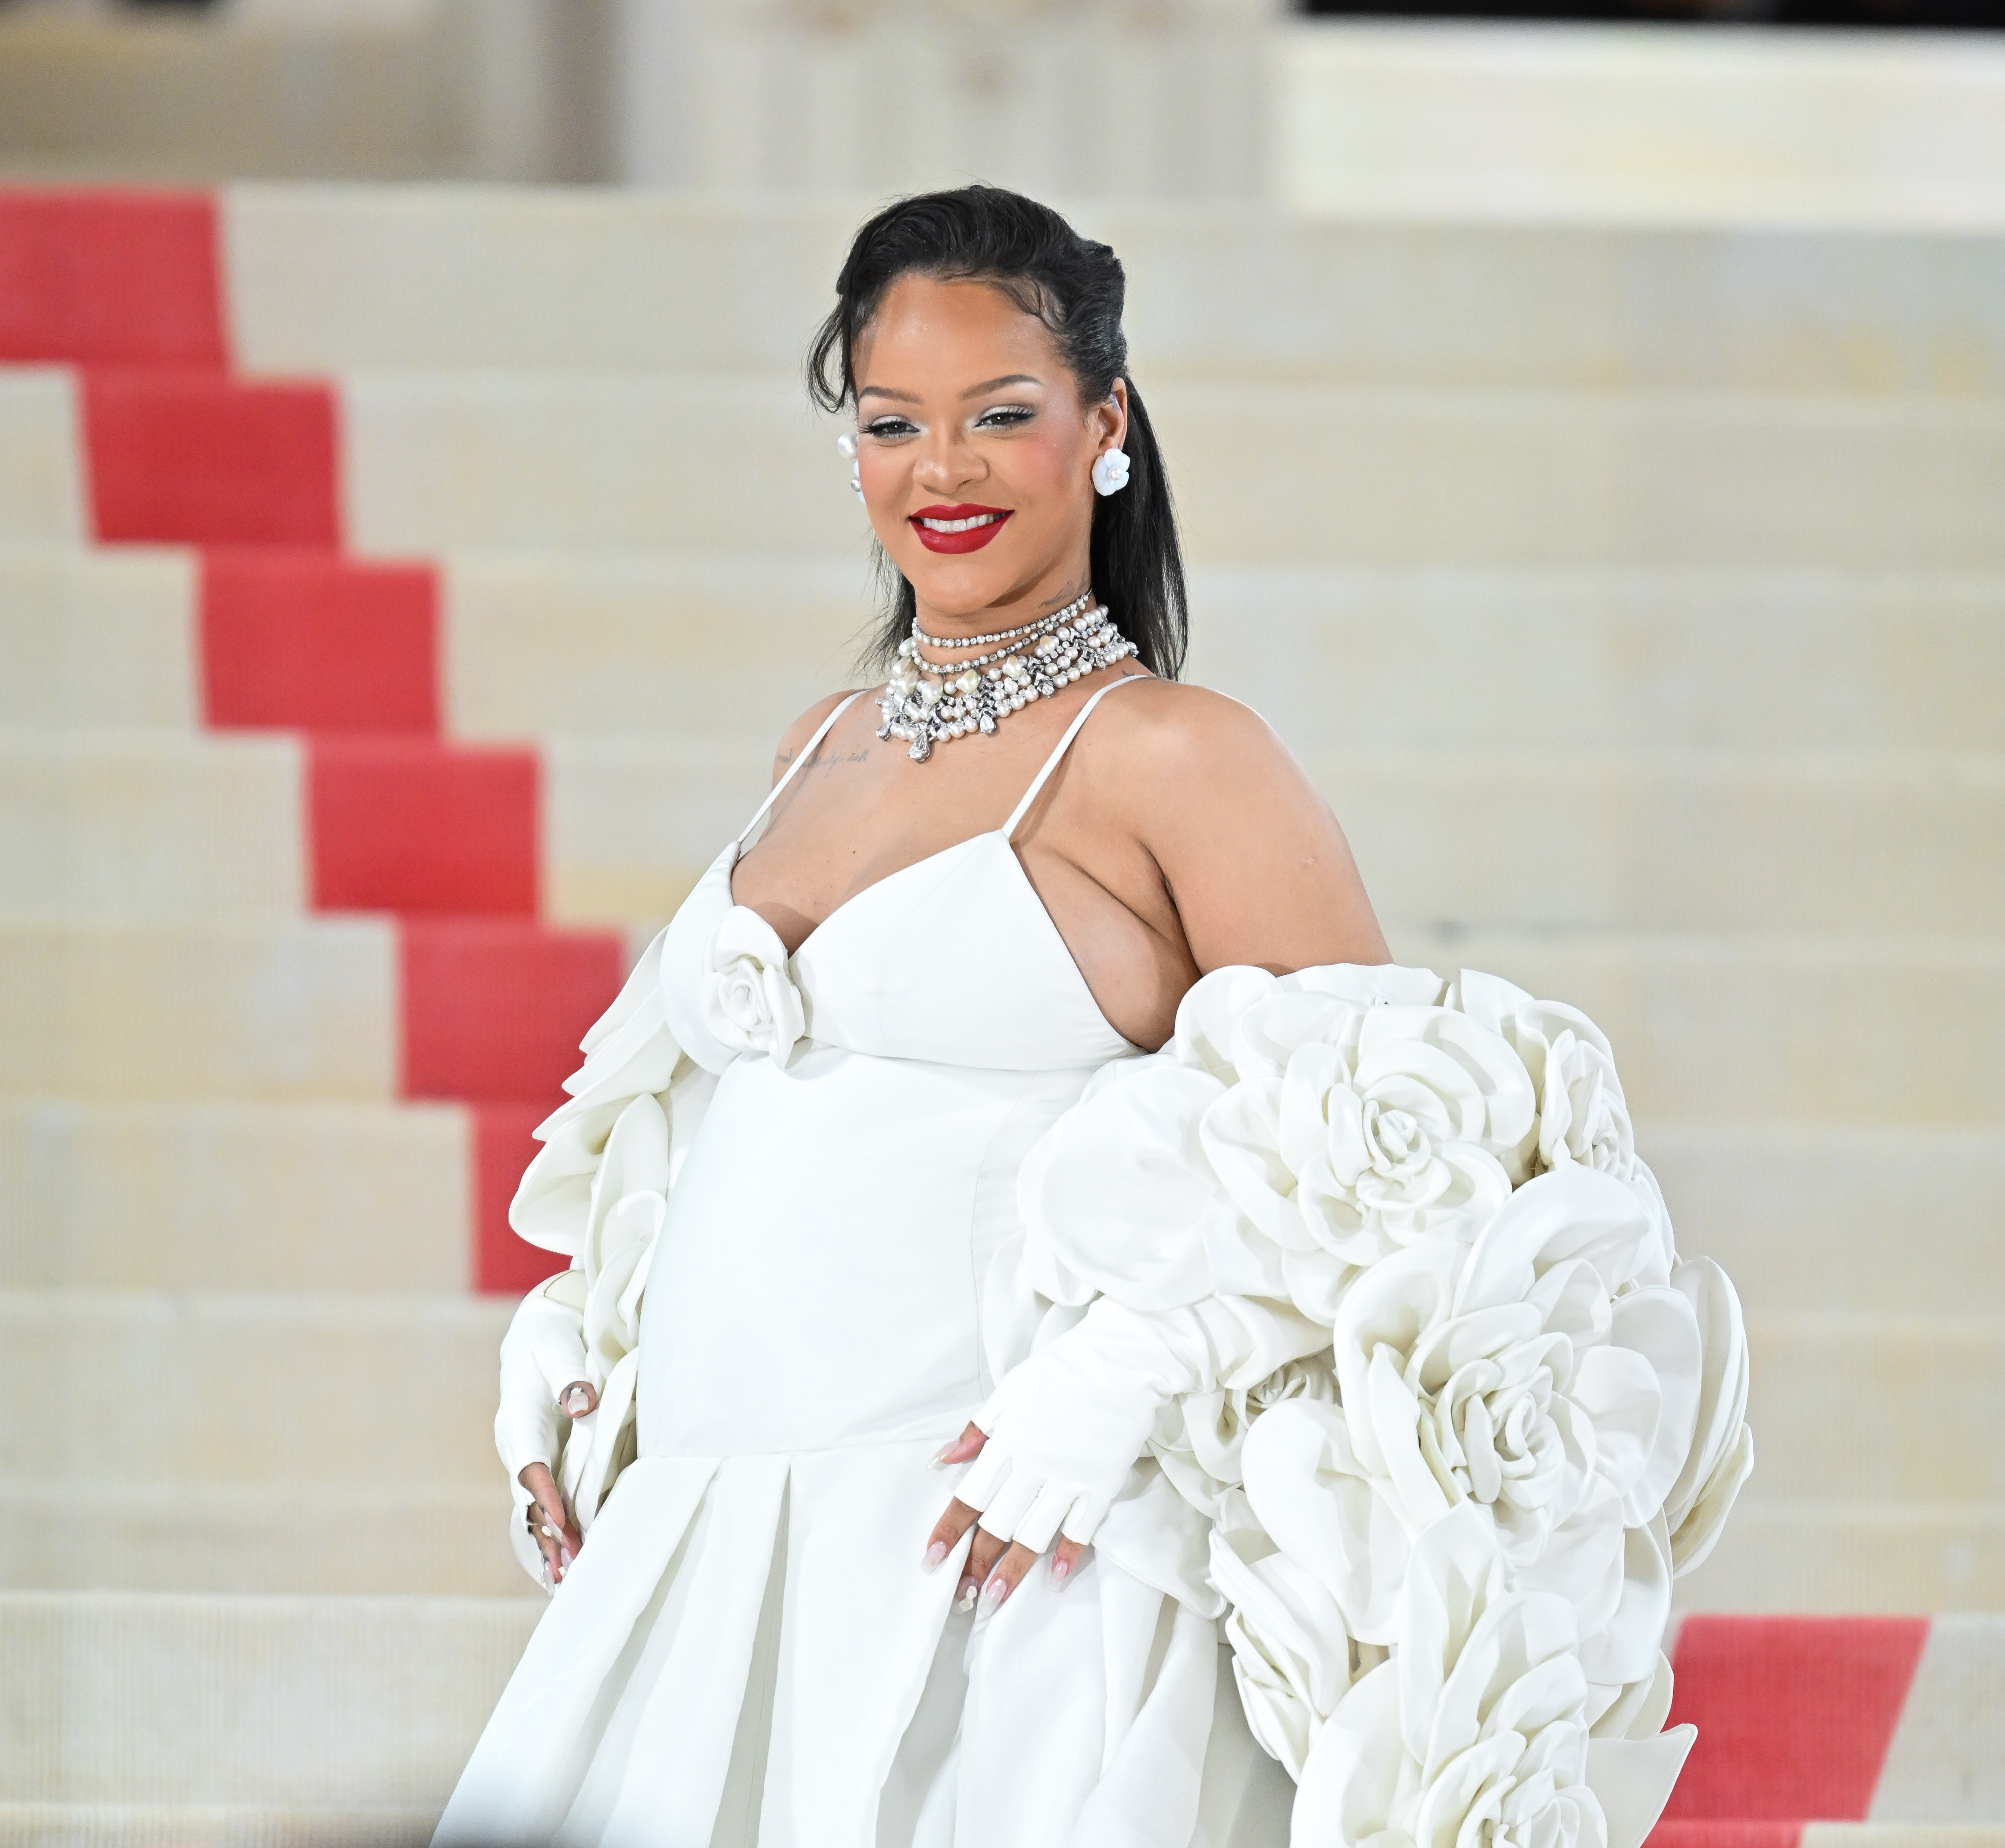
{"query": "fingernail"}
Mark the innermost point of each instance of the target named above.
(1061, 1571)
(938, 1460)
(969, 1592)
(935, 1553)
(996, 1591)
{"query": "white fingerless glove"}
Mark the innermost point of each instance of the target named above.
(542, 1353)
(1069, 1422)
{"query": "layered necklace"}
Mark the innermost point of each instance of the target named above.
(924, 701)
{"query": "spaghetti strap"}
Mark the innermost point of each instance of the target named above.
(1064, 744)
(807, 751)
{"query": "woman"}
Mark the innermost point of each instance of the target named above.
(963, 903)
(790, 1169)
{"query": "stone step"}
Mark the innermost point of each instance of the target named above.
(238, 1390)
(248, 1390)
(1799, 1030)
(1846, 1555)
(299, 1010)
(642, 643)
(171, 1195)
(1814, 1217)
(362, 1198)
(415, 1538)
(99, 637)
(1770, 1027)
(147, 825)
(1531, 840)
(137, 1697)
(212, 1826)
(41, 483)
(1852, 1554)
(439, 461)
(1897, 1411)
(129, 826)
(328, 278)
(1264, 474)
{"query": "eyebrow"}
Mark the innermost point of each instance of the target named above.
(988, 385)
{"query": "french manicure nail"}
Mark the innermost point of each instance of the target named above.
(938, 1460)
(935, 1553)
(1061, 1571)
(996, 1591)
(968, 1593)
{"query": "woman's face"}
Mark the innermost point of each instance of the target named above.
(975, 452)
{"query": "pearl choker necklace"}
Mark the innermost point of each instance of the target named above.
(924, 701)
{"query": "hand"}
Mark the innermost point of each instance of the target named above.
(994, 1567)
(550, 1525)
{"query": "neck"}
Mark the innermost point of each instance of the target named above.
(954, 632)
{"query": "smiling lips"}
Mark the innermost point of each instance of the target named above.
(958, 528)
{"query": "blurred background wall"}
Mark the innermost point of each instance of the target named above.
(1164, 98)
(1590, 435)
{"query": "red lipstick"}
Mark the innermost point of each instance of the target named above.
(969, 528)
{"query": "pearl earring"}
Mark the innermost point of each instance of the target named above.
(1110, 472)
(846, 446)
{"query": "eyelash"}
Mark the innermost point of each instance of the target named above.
(1003, 417)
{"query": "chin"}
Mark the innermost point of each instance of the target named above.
(957, 586)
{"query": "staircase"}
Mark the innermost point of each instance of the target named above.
(401, 593)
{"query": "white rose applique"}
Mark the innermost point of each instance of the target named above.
(749, 1001)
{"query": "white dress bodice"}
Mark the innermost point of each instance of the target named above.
(867, 1172)
(914, 965)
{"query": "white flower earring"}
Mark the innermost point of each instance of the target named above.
(846, 445)
(1110, 472)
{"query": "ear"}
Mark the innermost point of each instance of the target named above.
(1112, 413)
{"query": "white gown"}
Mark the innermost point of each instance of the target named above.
(748, 1649)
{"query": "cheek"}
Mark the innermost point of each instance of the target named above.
(1045, 467)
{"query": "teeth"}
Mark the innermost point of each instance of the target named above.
(968, 525)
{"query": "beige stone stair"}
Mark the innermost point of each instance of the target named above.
(233, 1194)
(642, 644)
(317, 1703)
(343, 278)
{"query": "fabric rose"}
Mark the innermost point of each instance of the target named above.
(1583, 1117)
(1511, 1375)
(1476, 1730)
(1292, 1659)
(749, 1001)
(1722, 1456)
(1199, 1445)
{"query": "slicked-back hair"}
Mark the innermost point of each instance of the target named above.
(1077, 288)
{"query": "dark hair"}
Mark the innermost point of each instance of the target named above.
(1076, 287)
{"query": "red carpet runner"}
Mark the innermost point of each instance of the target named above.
(126, 286)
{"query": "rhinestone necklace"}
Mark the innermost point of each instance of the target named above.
(1036, 627)
(924, 701)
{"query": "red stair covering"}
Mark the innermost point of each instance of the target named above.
(1718, 1834)
(128, 285)
(411, 825)
(106, 277)
(196, 458)
(1795, 1716)
(312, 640)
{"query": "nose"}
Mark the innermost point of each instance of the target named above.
(948, 463)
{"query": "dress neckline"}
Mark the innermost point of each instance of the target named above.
(734, 848)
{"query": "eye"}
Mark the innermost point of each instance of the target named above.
(1005, 416)
(891, 427)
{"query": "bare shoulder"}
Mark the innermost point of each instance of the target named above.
(1185, 738)
(1250, 854)
(794, 740)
